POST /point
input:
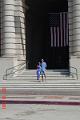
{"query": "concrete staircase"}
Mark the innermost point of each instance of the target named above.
(30, 76)
(55, 80)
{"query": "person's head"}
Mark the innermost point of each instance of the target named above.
(38, 63)
(42, 60)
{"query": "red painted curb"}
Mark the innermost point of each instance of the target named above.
(39, 102)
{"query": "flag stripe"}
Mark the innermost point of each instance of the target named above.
(67, 31)
(51, 31)
(61, 28)
(64, 29)
(54, 36)
(58, 36)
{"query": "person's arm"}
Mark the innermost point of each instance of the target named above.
(46, 65)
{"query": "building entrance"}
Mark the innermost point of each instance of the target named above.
(57, 43)
(47, 33)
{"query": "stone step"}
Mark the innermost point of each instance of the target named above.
(42, 91)
(40, 82)
(48, 78)
(33, 80)
(47, 72)
(40, 85)
(47, 82)
(48, 75)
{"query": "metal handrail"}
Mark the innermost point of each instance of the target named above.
(76, 72)
(13, 70)
(15, 66)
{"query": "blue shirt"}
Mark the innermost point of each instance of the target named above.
(43, 66)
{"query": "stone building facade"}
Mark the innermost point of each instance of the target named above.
(13, 31)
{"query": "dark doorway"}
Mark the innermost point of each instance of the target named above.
(47, 33)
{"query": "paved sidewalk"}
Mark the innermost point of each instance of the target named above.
(39, 112)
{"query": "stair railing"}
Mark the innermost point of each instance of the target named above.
(74, 71)
(11, 71)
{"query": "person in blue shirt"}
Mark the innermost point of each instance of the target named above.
(43, 69)
(38, 72)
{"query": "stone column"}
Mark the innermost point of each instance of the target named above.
(20, 28)
(70, 25)
(76, 27)
(8, 28)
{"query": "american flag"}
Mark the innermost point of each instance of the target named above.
(58, 28)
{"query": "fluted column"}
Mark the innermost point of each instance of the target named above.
(20, 12)
(76, 27)
(70, 25)
(8, 28)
